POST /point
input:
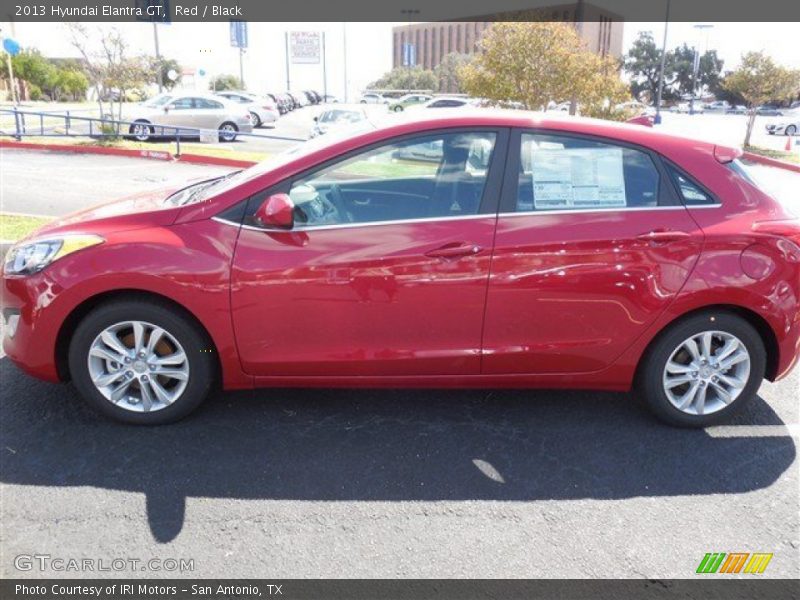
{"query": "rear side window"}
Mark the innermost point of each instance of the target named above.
(691, 193)
(568, 173)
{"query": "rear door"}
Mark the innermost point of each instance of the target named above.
(592, 245)
(385, 272)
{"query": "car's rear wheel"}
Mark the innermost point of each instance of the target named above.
(255, 119)
(791, 130)
(227, 132)
(703, 369)
(141, 130)
(141, 362)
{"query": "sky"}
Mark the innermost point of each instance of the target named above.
(368, 48)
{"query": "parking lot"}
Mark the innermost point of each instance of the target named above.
(392, 483)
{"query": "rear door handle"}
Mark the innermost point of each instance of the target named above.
(454, 250)
(663, 235)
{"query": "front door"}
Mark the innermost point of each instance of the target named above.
(592, 245)
(385, 272)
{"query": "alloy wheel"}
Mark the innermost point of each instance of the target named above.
(138, 366)
(706, 372)
(228, 132)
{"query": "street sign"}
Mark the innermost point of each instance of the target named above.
(238, 34)
(11, 46)
(409, 54)
(305, 47)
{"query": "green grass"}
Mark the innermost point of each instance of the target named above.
(14, 227)
(778, 154)
(394, 169)
(186, 147)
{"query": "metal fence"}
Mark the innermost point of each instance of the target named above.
(25, 123)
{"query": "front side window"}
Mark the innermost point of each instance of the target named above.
(570, 173)
(434, 176)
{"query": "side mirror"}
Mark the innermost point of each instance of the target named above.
(276, 211)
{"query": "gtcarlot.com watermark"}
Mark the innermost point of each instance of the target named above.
(48, 563)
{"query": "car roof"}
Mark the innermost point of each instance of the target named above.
(411, 122)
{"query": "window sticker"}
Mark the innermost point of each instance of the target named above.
(577, 178)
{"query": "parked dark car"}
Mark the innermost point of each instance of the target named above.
(279, 102)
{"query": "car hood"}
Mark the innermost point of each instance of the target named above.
(146, 209)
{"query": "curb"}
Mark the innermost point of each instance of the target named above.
(771, 162)
(199, 159)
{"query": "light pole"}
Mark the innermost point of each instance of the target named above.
(661, 69)
(696, 66)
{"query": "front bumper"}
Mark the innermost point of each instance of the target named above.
(31, 322)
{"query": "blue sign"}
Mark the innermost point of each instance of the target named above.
(11, 46)
(239, 34)
(409, 54)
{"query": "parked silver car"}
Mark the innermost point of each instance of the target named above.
(263, 110)
(189, 113)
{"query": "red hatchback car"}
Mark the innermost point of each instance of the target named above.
(494, 249)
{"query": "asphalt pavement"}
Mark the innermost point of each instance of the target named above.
(390, 483)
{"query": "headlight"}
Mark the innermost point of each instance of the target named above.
(33, 256)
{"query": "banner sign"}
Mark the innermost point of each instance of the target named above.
(305, 47)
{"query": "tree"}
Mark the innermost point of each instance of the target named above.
(407, 78)
(708, 73)
(533, 63)
(220, 83)
(759, 79)
(161, 67)
(447, 70)
(643, 65)
(70, 83)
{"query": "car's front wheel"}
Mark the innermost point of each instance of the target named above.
(703, 369)
(227, 132)
(141, 362)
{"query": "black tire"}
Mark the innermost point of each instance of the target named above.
(232, 137)
(649, 381)
(256, 119)
(199, 351)
(141, 137)
(791, 130)
(398, 109)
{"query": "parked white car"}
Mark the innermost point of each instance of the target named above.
(449, 102)
(339, 117)
(373, 98)
(263, 110)
(788, 127)
(187, 113)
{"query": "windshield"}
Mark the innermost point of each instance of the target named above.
(778, 183)
(158, 100)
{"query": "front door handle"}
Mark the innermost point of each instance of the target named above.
(454, 250)
(663, 235)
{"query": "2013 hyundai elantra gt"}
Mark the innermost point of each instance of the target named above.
(495, 249)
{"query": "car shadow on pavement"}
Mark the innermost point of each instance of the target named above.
(378, 445)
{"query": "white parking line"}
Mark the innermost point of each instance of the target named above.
(722, 431)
